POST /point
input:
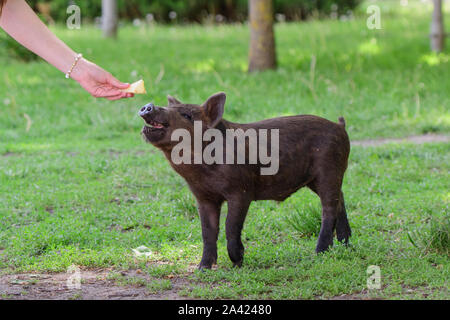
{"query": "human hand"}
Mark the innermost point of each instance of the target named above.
(98, 82)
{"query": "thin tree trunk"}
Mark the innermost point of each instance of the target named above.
(262, 54)
(437, 28)
(109, 18)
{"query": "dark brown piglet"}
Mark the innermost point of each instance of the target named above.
(239, 163)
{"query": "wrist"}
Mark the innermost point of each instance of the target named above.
(80, 70)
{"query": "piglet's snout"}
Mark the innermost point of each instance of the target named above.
(147, 109)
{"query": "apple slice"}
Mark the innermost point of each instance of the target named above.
(138, 87)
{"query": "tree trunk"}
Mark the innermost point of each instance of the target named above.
(109, 18)
(262, 54)
(437, 28)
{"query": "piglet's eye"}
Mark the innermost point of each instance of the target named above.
(187, 116)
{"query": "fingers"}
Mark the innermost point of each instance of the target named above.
(110, 93)
(116, 83)
(106, 86)
(114, 98)
(122, 95)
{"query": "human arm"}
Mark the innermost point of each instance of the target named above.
(21, 23)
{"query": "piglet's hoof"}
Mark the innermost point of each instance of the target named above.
(203, 267)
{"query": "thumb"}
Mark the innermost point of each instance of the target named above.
(116, 83)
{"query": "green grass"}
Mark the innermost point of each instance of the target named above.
(306, 221)
(434, 236)
(81, 187)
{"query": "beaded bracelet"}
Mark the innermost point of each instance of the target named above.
(77, 58)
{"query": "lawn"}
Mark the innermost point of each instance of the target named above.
(78, 185)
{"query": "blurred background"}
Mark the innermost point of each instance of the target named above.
(331, 57)
(198, 11)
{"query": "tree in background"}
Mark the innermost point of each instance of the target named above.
(110, 18)
(262, 54)
(437, 28)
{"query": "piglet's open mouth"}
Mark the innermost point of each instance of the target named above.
(149, 112)
(153, 124)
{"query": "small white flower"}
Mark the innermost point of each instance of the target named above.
(220, 18)
(142, 251)
(280, 17)
(137, 22)
(172, 15)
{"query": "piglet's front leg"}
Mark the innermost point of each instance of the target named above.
(209, 215)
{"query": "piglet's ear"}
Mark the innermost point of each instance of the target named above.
(172, 101)
(213, 109)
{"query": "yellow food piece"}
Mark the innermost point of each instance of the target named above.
(138, 87)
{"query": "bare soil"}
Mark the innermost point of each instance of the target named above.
(421, 139)
(95, 285)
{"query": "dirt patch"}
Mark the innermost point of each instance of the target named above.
(95, 285)
(10, 154)
(426, 138)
